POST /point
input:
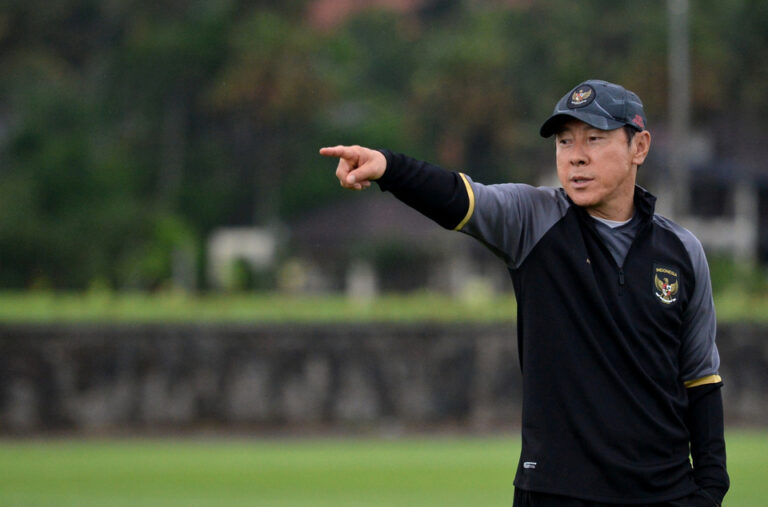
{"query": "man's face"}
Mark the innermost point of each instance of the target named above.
(597, 168)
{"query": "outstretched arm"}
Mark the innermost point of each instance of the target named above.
(440, 195)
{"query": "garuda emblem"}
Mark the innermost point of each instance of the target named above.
(666, 284)
(581, 97)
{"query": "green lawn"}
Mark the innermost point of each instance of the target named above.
(49, 307)
(409, 471)
(137, 307)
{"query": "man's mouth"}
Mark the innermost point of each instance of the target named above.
(580, 181)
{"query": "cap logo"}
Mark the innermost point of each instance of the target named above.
(581, 97)
(666, 284)
(638, 120)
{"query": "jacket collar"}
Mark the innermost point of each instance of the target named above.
(645, 202)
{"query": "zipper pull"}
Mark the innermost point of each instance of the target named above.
(621, 277)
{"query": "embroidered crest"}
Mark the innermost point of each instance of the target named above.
(638, 120)
(581, 97)
(666, 284)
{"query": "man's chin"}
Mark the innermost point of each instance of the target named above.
(580, 199)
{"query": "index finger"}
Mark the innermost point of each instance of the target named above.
(337, 151)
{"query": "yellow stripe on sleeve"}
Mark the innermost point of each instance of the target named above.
(471, 209)
(711, 379)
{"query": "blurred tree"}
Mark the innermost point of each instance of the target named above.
(55, 205)
(153, 85)
(130, 129)
(268, 90)
(98, 108)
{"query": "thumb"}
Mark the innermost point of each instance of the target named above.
(365, 172)
(372, 168)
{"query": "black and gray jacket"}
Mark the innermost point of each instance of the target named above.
(619, 362)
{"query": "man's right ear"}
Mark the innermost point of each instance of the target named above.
(641, 145)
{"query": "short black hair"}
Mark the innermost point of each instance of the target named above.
(630, 135)
(631, 131)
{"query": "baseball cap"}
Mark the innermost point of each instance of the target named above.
(604, 105)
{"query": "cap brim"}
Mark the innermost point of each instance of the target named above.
(551, 126)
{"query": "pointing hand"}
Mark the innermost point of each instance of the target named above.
(358, 166)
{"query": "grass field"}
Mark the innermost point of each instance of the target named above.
(297, 472)
(136, 307)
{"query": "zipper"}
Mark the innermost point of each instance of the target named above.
(640, 233)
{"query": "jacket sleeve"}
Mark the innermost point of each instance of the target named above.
(699, 369)
(441, 195)
(704, 419)
(507, 218)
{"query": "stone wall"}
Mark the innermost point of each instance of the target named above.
(289, 378)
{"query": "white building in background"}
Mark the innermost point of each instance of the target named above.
(255, 246)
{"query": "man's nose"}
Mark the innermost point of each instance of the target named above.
(578, 155)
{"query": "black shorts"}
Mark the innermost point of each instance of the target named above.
(533, 499)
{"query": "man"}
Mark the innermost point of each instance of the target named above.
(616, 325)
